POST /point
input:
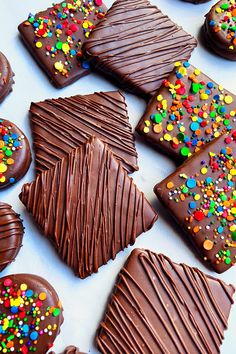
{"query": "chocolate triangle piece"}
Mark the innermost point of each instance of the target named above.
(159, 306)
(59, 125)
(187, 112)
(88, 207)
(201, 196)
(137, 45)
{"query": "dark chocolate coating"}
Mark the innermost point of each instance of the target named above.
(88, 207)
(221, 40)
(15, 155)
(200, 195)
(6, 77)
(71, 349)
(162, 307)
(71, 58)
(196, 1)
(192, 117)
(11, 234)
(49, 313)
(136, 45)
(59, 125)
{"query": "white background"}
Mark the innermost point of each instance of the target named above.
(84, 300)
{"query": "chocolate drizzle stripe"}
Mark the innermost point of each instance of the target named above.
(88, 207)
(177, 306)
(137, 44)
(59, 125)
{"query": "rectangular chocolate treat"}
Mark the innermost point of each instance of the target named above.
(59, 125)
(162, 307)
(201, 196)
(55, 38)
(137, 45)
(88, 207)
(187, 112)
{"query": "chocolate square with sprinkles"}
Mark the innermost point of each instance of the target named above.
(55, 38)
(136, 45)
(201, 196)
(162, 307)
(187, 112)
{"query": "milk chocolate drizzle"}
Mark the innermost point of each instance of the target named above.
(137, 45)
(59, 125)
(11, 234)
(6, 77)
(162, 307)
(88, 207)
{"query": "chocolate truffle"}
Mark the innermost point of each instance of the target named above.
(11, 234)
(6, 77)
(159, 306)
(201, 196)
(30, 314)
(55, 38)
(220, 29)
(59, 125)
(15, 155)
(136, 45)
(187, 112)
(88, 207)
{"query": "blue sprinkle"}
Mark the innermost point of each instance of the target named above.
(34, 335)
(186, 64)
(208, 180)
(191, 183)
(220, 229)
(217, 97)
(25, 328)
(85, 65)
(210, 85)
(14, 309)
(14, 136)
(29, 293)
(212, 23)
(12, 179)
(192, 205)
(194, 126)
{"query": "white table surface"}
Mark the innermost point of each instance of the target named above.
(84, 301)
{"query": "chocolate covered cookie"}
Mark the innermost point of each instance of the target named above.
(136, 44)
(55, 38)
(88, 207)
(59, 125)
(30, 314)
(11, 234)
(201, 196)
(15, 155)
(6, 77)
(220, 29)
(71, 349)
(187, 112)
(159, 306)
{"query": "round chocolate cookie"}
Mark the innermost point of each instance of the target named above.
(196, 1)
(11, 234)
(30, 314)
(15, 155)
(71, 349)
(220, 29)
(6, 77)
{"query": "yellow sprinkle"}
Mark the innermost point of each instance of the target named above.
(3, 168)
(232, 113)
(39, 44)
(232, 228)
(146, 130)
(167, 137)
(233, 210)
(204, 170)
(58, 66)
(159, 98)
(197, 72)
(182, 129)
(178, 63)
(233, 171)
(147, 123)
(169, 127)
(65, 48)
(216, 134)
(231, 47)
(204, 96)
(228, 99)
(23, 287)
(197, 197)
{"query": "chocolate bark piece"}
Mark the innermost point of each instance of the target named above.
(201, 196)
(6, 77)
(71, 349)
(55, 37)
(32, 309)
(59, 125)
(187, 112)
(136, 44)
(159, 306)
(15, 155)
(220, 29)
(88, 207)
(11, 234)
